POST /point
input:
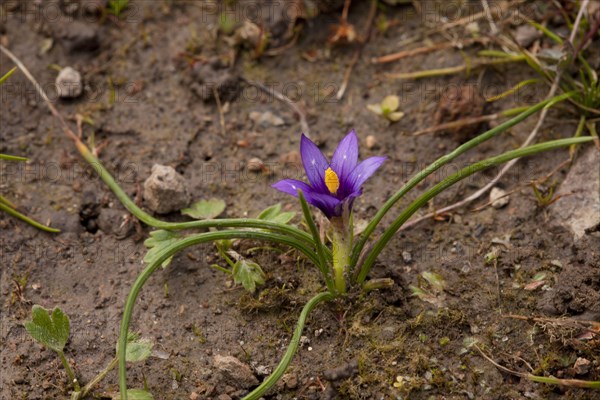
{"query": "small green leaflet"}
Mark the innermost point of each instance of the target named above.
(51, 330)
(157, 241)
(249, 274)
(115, 7)
(274, 214)
(139, 394)
(205, 209)
(138, 348)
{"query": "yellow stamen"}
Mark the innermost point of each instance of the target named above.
(331, 180)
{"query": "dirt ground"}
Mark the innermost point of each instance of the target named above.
(145, 95)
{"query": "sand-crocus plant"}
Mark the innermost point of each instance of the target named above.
(333, 187)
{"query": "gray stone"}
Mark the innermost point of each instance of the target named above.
(235, 372)
(78, 36)
(579, 207)
(68, 83)
(165, 191)
(266, 119)
(526, 34)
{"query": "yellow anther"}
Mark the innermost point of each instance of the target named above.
(331, 180)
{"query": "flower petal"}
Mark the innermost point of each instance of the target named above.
(291, 186)
(324, 202)
(362, 172)
(314, 163)
(345, 156)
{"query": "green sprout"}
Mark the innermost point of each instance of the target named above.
(53, 328)
(388, 108)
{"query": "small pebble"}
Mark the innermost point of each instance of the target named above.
(68, 83)
(407, 257)
(582, 366)
(498, 198)
(266, 119)
(255, 165)
(371, 142)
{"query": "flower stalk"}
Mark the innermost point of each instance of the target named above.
(341, 238)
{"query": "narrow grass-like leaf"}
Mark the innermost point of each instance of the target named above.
(512, 90)
(437, 164)
(174, 248)
(12, 158)
(546, 31)
(6, 75)
(451, 180)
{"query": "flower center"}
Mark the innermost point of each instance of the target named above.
(331, 180)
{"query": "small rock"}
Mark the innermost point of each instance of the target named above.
(371, 142)
(249, 35)
(344, 371)
(110, 220)
(78, 36)
(582, 366)
(459, 102)
(215, 76)
(526, 34)
(263, 370)
(579, 207)
(291, 159)
(407, 257)
(235, 372)
(68, 83)
(194, 396)
(255, 165)
(498, 198)
(266, 119)
(164, 190)
(304, 340)
(290, 381)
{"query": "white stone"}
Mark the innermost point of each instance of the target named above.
(498, 198)
(68, 83)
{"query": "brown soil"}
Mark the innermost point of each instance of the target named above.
(144, 97)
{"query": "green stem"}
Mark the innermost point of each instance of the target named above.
(97, 379)
(167, 252)
(565, 382)
(209, 223)
(291, 350)
(341, 238)
(12, 158)
(34, 223)
(323, 265)
(69, 370)
(358, 248)
(451, 180)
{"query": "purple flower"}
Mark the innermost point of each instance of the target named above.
(332, 185)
